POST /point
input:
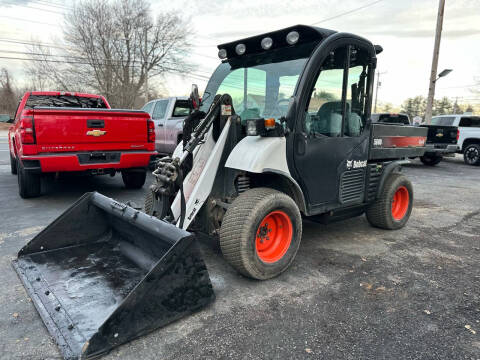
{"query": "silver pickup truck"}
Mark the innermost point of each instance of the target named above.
(168, 115)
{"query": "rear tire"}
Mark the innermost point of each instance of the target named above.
(471, 155)
(134, 179)
(393, 207)
(261, 233)
(13, 165)
(431, 160)
(29, 185)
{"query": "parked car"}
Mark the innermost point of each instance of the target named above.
(468, 135)
(389, 118)
(168, 115)
(56, 132)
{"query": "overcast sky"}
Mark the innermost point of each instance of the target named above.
(405, 29)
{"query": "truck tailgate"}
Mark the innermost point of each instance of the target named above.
(396, 142)
(441, 134)
(63, 129)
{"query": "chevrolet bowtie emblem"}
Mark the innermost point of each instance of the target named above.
(96, 132)
(439, 135)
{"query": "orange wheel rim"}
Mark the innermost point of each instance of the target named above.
(273, 236)
(400, 202)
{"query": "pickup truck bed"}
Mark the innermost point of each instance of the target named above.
(396, 141)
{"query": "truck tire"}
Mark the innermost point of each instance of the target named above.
(29, 185)
(134, 179)
(159, 210)
(261, 233)
(13, 164)
(393, 207)
(471, 154)
(431, 160)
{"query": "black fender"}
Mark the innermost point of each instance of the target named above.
(281, 181)
(387, 170)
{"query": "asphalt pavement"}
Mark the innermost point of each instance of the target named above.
(353, 292)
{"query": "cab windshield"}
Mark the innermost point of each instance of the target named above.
(260, 85)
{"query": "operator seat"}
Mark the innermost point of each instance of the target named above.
(329, 119)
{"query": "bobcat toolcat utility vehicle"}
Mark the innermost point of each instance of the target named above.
(282, 134)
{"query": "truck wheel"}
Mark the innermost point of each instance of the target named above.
(134, 179)
(157, 206)
(471, 154)
(13, 164)
(392, 209)
(261, 233)
(29, 184)
(431, 160)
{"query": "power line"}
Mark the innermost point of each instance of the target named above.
(29, 21)
(347, 12)
(101, 64)
(33, 7)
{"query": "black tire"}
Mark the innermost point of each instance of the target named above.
(471, 154)
(159, 210)
(381, 214)
(29, 185)
(431, 160)
(241, 226)
(13, 165)
(134, 179)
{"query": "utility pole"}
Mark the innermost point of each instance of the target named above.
(376, 89)
(436, 51)
(146, 68)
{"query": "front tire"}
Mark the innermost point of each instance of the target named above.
(29, 185)
(261, 233)
(393, 207)
(431, 160)
(134, 179)
(13, 165)
(471, 155)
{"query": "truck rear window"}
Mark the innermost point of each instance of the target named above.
(65, 101)
(443, 120)
(394, 119)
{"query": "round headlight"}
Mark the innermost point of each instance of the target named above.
(222, 54)
(240, 49)
(266, 43)
(292, 37)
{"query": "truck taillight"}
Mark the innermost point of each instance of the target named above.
(27, 131)
(151, 131)
(458, 134)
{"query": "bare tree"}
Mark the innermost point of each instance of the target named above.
(8, 95)
(112, 47)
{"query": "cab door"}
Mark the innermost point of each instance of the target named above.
(330, 146)
(159, 118)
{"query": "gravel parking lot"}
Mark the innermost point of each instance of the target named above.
(354, 292)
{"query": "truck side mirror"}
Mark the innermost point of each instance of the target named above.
(11, 120)
(195, 97)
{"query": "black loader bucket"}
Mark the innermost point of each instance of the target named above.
(104, 273)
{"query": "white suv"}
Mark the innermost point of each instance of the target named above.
(469, 135)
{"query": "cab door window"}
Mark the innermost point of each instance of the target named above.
(339, 95)
(160, 110)
(324, 112)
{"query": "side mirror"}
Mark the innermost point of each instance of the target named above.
(195, 97)
(11, 120)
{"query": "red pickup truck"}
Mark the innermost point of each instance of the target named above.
(56, 132)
